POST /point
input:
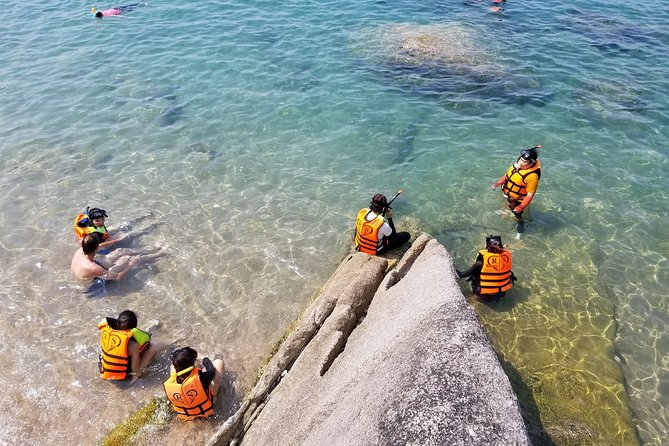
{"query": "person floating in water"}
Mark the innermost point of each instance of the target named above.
(498, 6)
(92, 221)
(115, 11)
(520, 183)
(373, 234)
(191, 389)
(126, 350)
(491, 274)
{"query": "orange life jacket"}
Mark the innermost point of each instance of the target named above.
(84, 226)
(115, 360)
(367, 237)
(514, 186)
(496, 275)
(189, 399)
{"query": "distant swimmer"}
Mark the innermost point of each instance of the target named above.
(498, 6)
(520, 183)
(116, 11)
(126, 350)
(92, 221)
(491, 274)
(374, 228)
(192, 389)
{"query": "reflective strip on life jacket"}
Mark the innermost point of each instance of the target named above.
(496, 272)
(189, 399)
(514, 186)
(367, 233)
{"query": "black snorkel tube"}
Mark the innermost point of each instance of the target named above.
(390, 202)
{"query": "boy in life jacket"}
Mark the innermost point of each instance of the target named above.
(491, 274)
(520, 183)
(374, 228)
(92, 221)
(126, 350)
(191, 389)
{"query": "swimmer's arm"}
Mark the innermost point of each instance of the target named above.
(122, 269)
(111, 240)
(475, 268)
(499, 182)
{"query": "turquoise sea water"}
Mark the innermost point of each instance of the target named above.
(242, 137)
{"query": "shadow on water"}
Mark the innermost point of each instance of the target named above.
(528, 406)
(171, 114)
(454, 84)
(516, 296)
(613, 35)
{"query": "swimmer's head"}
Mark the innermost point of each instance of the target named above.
(183, 358)
(90, 244)
(127, 320)
(97, 14)
(493, 243)
(97, 214)
(379, 203)
(530, 155)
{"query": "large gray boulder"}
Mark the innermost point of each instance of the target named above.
(417, 369)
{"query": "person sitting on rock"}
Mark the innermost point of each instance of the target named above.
(491, 274)
(374, 228)
(191, 389)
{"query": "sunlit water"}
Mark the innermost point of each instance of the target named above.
(242, 137)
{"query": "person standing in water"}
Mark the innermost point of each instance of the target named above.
(491, 274)
(520, 182)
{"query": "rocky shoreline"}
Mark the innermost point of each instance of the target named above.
(381, 358)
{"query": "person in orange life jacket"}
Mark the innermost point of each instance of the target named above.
(520, 182)
(126, 350)
(92, 221)
(374, 228)
(491, 275)
(191, 389)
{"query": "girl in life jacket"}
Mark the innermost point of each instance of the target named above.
(191, 389)
(491, 275)
(91, 221)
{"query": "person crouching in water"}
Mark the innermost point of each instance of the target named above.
(491, 274)
(126, 350)
(374, 228)
(191, 389)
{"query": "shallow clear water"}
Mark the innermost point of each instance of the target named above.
(243, 137)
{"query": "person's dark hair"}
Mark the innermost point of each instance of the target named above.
(379, 203)
(183, 358)
(127, 320)
(98, 14)
(90, 243)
